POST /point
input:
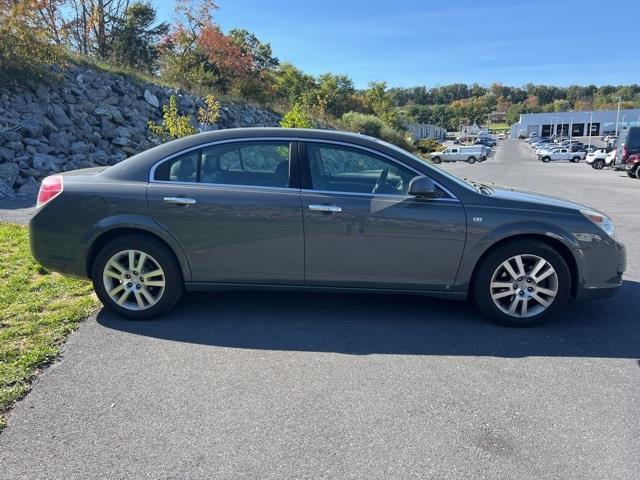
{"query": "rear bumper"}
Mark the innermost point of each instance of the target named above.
(53, 246)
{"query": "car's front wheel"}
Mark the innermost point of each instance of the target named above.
(522, 283)
(546, 159)
(598, 164)
(137, 277)
(471, 160)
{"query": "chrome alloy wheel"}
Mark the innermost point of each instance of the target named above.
(524, 286)
(134, 280)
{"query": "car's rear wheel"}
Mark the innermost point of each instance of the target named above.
(598, 164)
(436, 160)
(522, 283)
(137, 276)
(631, 173)
(575, 159)
(471, 160)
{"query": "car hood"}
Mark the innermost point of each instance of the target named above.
(511, 198)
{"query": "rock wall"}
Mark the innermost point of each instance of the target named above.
(88, 118)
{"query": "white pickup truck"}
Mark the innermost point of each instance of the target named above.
(561, 153)
(461, 154)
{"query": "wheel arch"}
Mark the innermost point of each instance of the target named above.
(115, 230)
(553, 242)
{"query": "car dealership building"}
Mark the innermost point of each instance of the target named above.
(574, 124)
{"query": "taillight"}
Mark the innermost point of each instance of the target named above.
(51, 187)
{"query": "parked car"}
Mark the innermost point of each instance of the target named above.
(628, 145)
(591, 148)
(561, 153)
(309, 209)
(600, 158)
(632, 165)
(461, 154)
(541, 141)
(487, 142)
(501, 136)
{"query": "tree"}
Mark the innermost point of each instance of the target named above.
(379, 100)
(25, 44)
(197, 52)
(91, 24)
(261, 53)
(135, 42)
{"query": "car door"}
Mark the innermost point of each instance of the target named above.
(235, 209)
(454, 155)
(362, 229)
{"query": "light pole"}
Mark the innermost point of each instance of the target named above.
(618, 115)
(570, 129)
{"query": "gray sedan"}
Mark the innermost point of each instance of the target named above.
(307, 209)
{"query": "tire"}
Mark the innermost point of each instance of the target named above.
(436, 160)
(575, 159)
(631, 173)
(471, 160)
(546, 159)
(598, 164)
(491, 274)
(143, 297)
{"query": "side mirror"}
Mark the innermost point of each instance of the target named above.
(423, 187)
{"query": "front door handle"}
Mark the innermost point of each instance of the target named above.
(325, 208)
(180, 200)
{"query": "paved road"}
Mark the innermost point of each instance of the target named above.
(343, 386)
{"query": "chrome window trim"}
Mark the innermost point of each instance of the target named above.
(228, 186)
(288, 139)
(383, 196)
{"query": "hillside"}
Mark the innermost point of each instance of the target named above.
(85, 117)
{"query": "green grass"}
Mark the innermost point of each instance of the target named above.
(38, 310)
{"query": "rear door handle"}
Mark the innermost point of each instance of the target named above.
(325, 208)
(180, 200)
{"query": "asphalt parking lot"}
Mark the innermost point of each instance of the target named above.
(264, 385)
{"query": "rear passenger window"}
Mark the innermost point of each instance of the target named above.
(263, 164)
(183, 168)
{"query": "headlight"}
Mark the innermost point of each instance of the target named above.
(602, 221)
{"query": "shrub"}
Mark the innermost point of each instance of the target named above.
(375, 127)
(428, 145)
(210, 113)
(362, 123)
(173, 124)
(297, 117)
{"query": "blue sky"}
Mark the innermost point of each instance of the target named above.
(408, 43)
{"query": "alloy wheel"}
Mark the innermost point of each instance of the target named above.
(134, 280)
(524, 286)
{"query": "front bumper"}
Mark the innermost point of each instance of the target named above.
(603, 270)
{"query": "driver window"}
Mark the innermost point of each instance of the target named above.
(342, 169)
